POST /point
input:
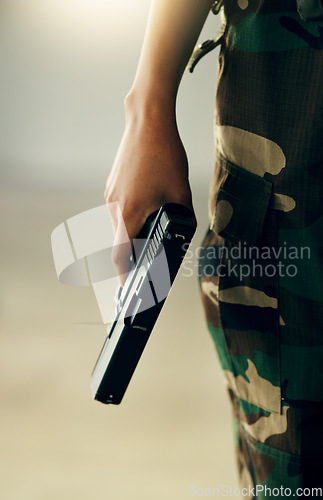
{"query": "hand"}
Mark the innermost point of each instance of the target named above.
(150, 169)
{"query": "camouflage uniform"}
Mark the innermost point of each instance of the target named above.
(261, 267)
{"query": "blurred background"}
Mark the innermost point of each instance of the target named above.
(66, 66)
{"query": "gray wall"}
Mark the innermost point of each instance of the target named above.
(66, 66)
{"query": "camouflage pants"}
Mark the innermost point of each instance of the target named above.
(273, 373)
(261, 268)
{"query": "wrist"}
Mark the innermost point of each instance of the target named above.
(145, 105)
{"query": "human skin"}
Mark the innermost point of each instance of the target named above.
(151, 166)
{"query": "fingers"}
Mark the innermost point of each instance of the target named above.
(125, 230)
(121, 251)
(121, 255)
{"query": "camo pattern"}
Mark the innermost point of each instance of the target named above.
(261, 268)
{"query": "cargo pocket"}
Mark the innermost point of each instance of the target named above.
(241, 204)
(248, 284)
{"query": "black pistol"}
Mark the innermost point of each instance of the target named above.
(158, 252)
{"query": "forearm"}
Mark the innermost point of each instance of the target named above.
(172, 30)
(151, 168)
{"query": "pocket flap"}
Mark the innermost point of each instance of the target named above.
(241, 204)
